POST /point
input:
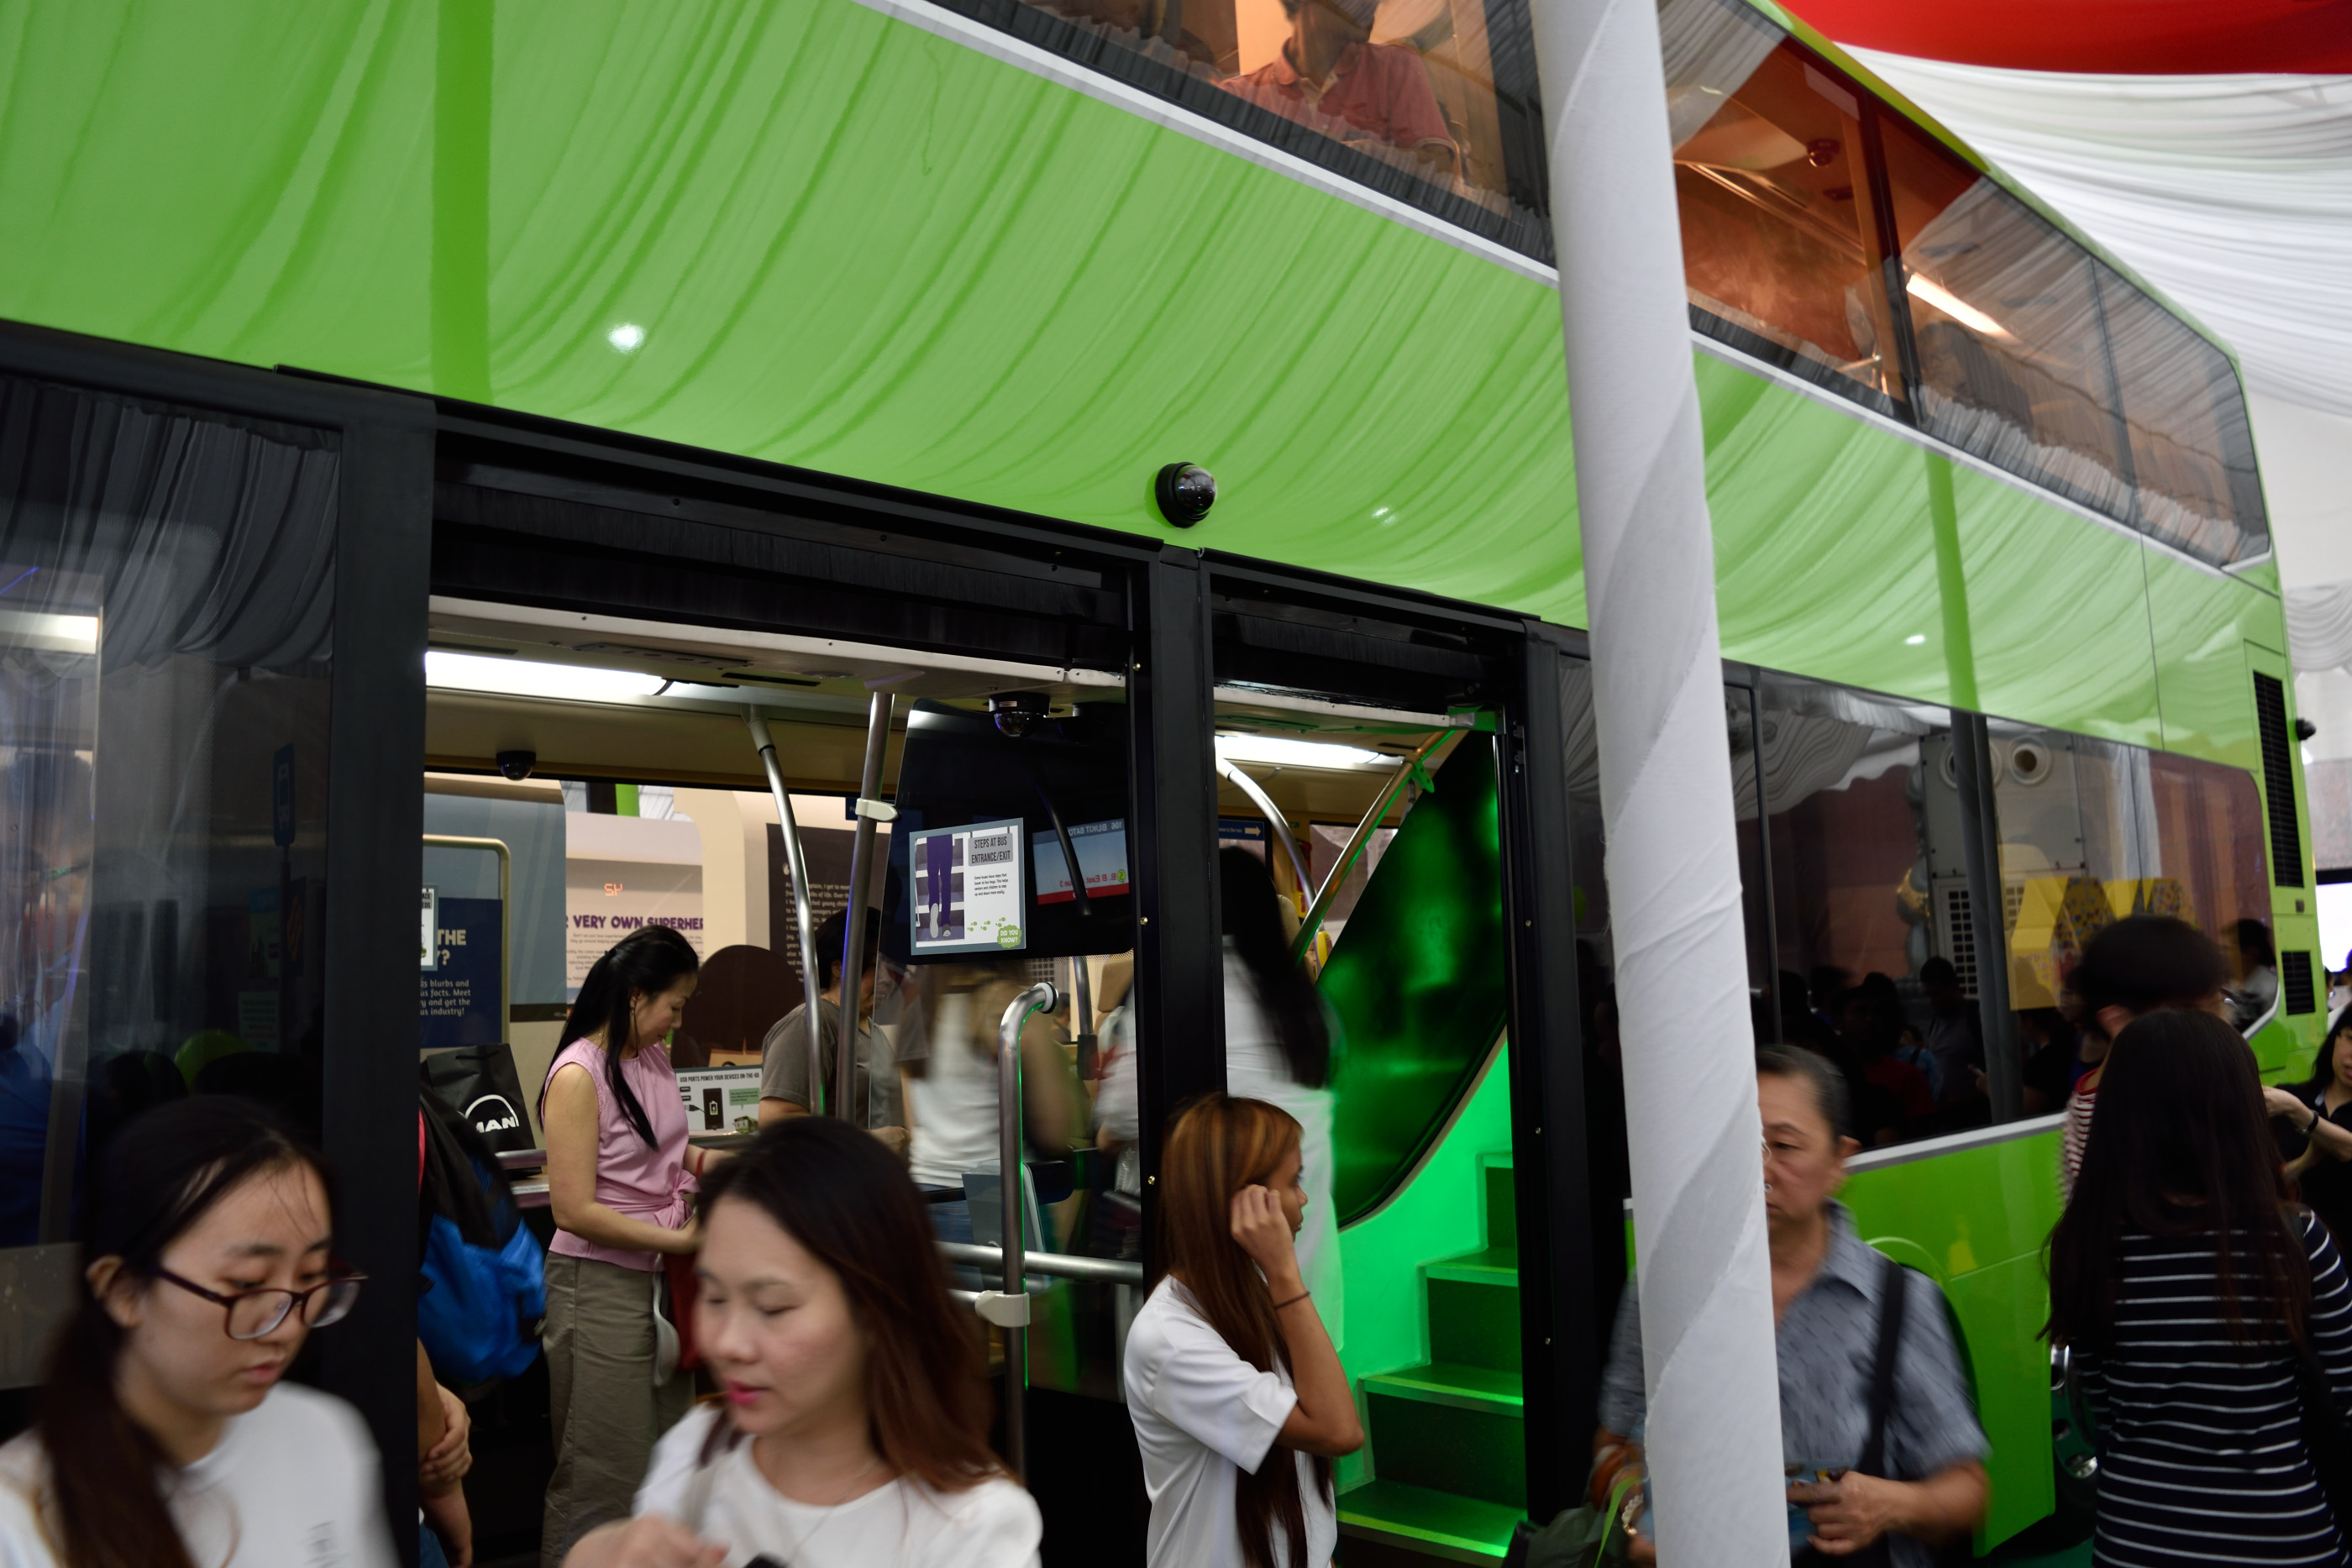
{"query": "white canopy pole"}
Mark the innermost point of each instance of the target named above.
(1713, 1431)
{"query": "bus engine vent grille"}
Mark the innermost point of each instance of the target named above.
(2294, 983)
(1956, 939)
(2278, 780)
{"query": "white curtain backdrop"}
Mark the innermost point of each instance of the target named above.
(2233, 195)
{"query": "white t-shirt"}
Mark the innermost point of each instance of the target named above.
(1202, 1413)
(292, 1483)
(953, 1103)
(902, 1525)
(1255, 1069)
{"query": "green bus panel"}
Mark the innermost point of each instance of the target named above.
(1975, 1220)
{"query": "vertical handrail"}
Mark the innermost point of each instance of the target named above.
(803, 914)
(1011, 1203)
(861, 873)
(505, 915)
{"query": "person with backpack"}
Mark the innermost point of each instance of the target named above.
(853, 1431)
(2208, 1318)
(621, 1180)
(486, 1282)
(165, 1434)
(1877, 1429)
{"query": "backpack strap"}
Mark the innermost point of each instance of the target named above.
(1893, 1286)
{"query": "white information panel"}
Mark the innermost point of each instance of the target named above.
(968, 888)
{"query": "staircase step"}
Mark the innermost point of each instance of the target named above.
(1472, 1302)
(1502, 1202)
(1457, 1443)
(1448, 1383)
(1433, 1524)
(1488, 1266)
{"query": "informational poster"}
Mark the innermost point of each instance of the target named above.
(721, 1099)
(430, 946)
(622, 874)
(459, 1004)
(968, 891)
(1102, 856)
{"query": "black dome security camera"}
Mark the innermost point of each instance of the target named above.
(517, 765)
(1014, 711)
(1185, 492)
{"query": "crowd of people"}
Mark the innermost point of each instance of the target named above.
(849, 1417)
(2196, 1289)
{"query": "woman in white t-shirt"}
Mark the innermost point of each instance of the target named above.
(1238, 1398)
(162, 1436)
(855, 1428)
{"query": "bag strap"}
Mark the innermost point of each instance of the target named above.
(1893, 1286)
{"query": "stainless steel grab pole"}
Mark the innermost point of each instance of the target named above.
(1012, 1202)
(1276, 820)
(861, 873)
(804, 916)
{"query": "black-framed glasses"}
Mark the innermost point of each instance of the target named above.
(249, 1314)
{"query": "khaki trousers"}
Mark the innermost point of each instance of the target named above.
(606, 1409)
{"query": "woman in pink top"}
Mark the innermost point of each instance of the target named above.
(621, 1180)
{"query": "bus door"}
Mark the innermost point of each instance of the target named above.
(768, 719)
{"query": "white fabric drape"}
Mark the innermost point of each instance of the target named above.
(1673, 865)
(2231, 193)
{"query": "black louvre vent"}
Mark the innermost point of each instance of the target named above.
(2294, 983)
(2278, 781)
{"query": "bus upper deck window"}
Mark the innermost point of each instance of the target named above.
(1329, 74)
(1409, 85)
(2192, 451)
(2005, 309)
(1780, 254)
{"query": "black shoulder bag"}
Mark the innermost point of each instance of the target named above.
(1893, 1288)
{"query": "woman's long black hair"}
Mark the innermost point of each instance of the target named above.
(148, 1189)
(1252, 923)
(645, 963)
(2180, 1147)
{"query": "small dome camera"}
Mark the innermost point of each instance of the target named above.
(1014, 711)
(1185, 492)
(517, 765)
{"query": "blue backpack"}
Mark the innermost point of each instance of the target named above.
(480, 1311)
(480, 1319)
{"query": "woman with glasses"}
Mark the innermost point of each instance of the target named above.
(163, 1436)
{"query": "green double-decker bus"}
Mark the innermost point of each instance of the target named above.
(783, 355)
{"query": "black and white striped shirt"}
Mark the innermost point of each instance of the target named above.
(2203, 1437)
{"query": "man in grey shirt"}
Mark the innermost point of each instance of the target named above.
(785, 1064)
(1827, 1291)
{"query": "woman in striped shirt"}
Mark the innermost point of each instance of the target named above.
(2192, 1295)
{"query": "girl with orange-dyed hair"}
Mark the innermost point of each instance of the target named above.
(1239, 1400)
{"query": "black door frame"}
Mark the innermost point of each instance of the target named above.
(375, 733)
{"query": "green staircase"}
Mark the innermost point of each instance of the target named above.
(1446, 1437)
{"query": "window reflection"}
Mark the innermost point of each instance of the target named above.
(2192, 453)
(1779, 253)
(2092, 831)
(1410, 85)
